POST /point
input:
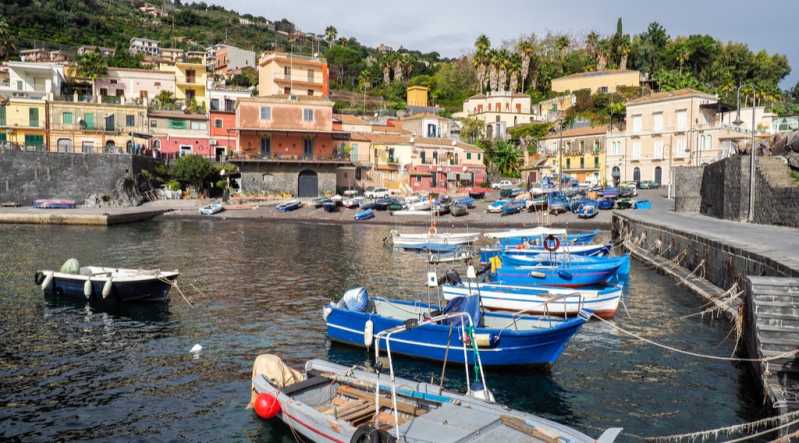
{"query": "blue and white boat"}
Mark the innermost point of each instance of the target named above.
(605, 203)
(536, 236)
(467, 202)
(555, 273)
(288, 206)
(603, 302)
(503, 339)
(211, 209)
(365, 214)
(587, 211)
(513, 207)
(643, 204)
(496, 206)
(593, 250)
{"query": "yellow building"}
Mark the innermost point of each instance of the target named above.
(417, 96)
(190, 80)
(582, 151)
(597, 81)
(96, 127)
(22, 122)
(290, 74)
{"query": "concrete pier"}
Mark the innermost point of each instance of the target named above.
(81, 216)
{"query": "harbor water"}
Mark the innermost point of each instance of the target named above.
(68, 373)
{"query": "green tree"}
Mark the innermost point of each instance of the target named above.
(8, 42)
(92, 65)
(528, 135)
(330, 34)
(165, 100)
(504, 158)
(193, 170)
(472, 129)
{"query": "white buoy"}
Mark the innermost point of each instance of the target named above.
(48, 280)
(368, 330)
(432, 280)
(537, 274)
(87, 288)
(470, 273)
(107, 288)
(196, 349)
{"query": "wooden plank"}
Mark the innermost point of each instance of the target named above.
(402, 406)
(522, 426)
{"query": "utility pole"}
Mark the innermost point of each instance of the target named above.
(560, 158)
(752, 169)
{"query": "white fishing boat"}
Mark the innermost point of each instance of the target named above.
(421, 205)
(453, 238)
(540, 300)
(530, 232)
(211, 209)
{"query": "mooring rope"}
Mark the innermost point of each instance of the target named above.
(729, 430)
(175, 285)
(696, 354)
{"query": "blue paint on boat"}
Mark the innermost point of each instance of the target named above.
(366, 214)
(643, 204)
(558, 274)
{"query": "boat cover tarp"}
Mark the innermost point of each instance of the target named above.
(355, 299)
(71, 266)
(273, 368)
(469, 304)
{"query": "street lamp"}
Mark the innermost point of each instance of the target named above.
(738, 122)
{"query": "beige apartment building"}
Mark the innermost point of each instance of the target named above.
(597, 81)
(288, 74)
(499, 111)
(668, 129)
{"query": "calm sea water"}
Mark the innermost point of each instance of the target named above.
(68, 373)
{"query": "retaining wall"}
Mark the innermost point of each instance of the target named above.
(27, 176)
(687, 186)
(275, 178)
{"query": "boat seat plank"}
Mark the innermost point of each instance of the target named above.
(311, 382)
(402, 406)
(535, 432)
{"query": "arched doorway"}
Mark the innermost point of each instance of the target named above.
(616, 175)
(307, 184)
(658, 175)
(110, 147)
(64, 145)
(637, 174)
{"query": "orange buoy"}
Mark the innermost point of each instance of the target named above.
(266, 406)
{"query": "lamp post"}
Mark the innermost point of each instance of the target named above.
(750, 217)
(560, 158)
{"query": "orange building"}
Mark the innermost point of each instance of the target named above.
(223, 133)
(290, 74)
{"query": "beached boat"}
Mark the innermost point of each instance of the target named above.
(588, 211)
(364, 214)
(643, 204)
(526, 233)
(536, 236)
(496, 206)
(421, 205)
(334, 403)
(590, 249)
(452, 238)
(624, 203)
(337, 199)
(605, 203)
(557, 203)
(211, 209)
(319, 201)
(54, 203)
(610, 192)
(504, 339)
(478, 192)
(537, 300)
(555, 273)
(288, 206)
(467, 202)
(330, 206)
(458, 210)
(513, 207)
(99, 284)
(352, 203)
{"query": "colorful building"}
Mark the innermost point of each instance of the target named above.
(33, 80)
(417, 96)
(97, 127)
(23, 122)
(135, 85)
(581, 150)
(445, 165)
(288, 74)
(499, 111)
(607, 81)
(178, 133)
(288, 144)
(425, 125)
(190, 81)
(222, 118)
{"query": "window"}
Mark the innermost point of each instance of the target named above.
(519, 107)
(636, 151)
(153, 123)
(682, 146)
(307, 115)
(157, 84)
(33, 117)
(143, 94)
(307, 146)
(310, 76)
(66, 118)
(582, 162)
(266, 113)
(113, 82)
(190, 76)
(682, 120)
(230, 105)
(266, 147)
(109, 122)
(218, 123)
(64, 145)
(468, 156)
(287, 91)
(88, 120)
(87, 146)
(287, 72)
(596, 162)
(479, 156)
(2, 116)
(602, 90)
(582, 146)
(637, 123)
(199, 125)
(421, 156)
(658, 149)
(431, 130)
(19, 85)
(185, 150)
(418, 179)
(310, 92)
(103, 92)
(130, 120)
(120, 92)
(568, 163)
(36, 141)
(178, 124)
(214, 104)
(657, 121)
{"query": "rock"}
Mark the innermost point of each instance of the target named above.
(125, 194)
(793, 160)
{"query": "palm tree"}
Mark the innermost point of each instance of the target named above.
(480, 60)
(330, 33)
(592, 44)
(602, 54)
(387, 63)
(7, 40)
(526, 50)
(494, 60)
(506, 159)
(504, 67)
(92, 65)
(515, 64)
(624, 52)
(399, 68)
(562, 42)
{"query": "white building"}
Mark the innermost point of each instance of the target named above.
(33, 80)
(499, 111)
(144, 46)
(223, 98)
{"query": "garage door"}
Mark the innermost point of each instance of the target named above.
(308, 184)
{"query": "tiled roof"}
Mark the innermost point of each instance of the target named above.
(482, 96)
(349, 119)
(423, 115)
(668, 95)
(578, 132)
(389, 138)
(446, 142)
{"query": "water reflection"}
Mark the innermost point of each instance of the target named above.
(67, 372)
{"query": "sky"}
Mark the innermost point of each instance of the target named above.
(451, 26)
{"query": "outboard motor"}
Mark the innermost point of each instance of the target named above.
(452, 277)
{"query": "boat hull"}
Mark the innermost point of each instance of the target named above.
(429, 342)
(586, 250)
(535, 300)
(573, 276)
(140, 291)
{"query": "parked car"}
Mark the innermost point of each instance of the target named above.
(376, 193)
(501, 184)
(648, 184)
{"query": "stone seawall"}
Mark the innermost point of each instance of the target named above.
(687, 184)
(27, 176)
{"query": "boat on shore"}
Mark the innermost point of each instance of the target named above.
(593, 250)
(364, 214)
(289, 206)
(330, 206)
(587, 211)
(211, 209)
(54, 203)
(458, 210)
(98, 284)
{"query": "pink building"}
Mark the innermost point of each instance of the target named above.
(177, 133)
(445, 165)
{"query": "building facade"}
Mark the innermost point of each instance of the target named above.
(445, 165)
(176, 133)
(92, 128)
(135, 85)
(499, 111)
(229, 59)
(191, 80)
(288, 74)
(144, 46)
(425, 125)
(417, 96)
(578, 153)
(23, 123)
(33, 80)
(597, 81)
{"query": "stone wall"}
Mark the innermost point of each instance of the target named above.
(283, 178)
(777, 194)
(27, 176)
(687, 184)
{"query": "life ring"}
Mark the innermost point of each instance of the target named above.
(432, 230)
(551, 243)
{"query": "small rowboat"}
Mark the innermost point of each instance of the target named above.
(365, 214)
(54, 204)
(458, 210)
(288, 206)
(211, 209)
(98, 284)
(555, 273)
(588, 211)
(643, 204)
(454, 238)
(605, 203)
(541, 300)
(330, 206)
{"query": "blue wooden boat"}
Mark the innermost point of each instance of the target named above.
(330, 206)
(588, 211)
(557, 202)
(577, 203)
(288, 206)
(589, 250)
(643, 204)
(503, 339)
(579, 238)
(513, 207)
(365, 214)
(467, 202)
(610, 192)
(496, 205)
(104, 285)
(554, 273)
(605, 203)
